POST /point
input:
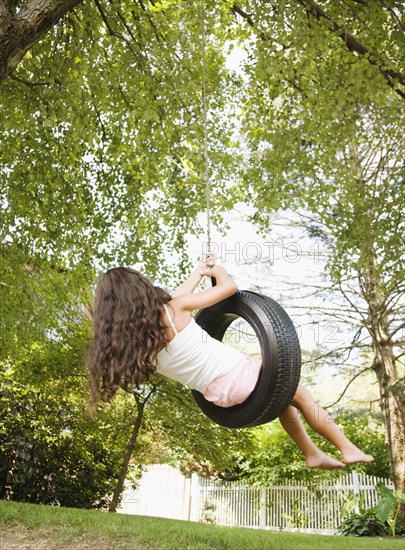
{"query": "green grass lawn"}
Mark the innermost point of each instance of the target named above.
(30, 526)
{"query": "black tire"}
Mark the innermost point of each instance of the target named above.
(279, 377)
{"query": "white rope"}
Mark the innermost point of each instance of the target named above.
(205, 118)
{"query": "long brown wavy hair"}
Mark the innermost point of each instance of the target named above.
(128, 332)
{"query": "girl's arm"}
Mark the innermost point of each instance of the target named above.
(224, 288)
(195, 278)
(189, 284)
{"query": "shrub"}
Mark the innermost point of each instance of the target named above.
(380, 521)
(365, 524)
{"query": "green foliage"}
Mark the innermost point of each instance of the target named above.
(321, 137)
(366, 524)
(353, 504)
(297, 518)
(51, 451)
(388, 507)
(112, 137)
(378, 521)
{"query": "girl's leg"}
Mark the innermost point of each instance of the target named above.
(314, 457)
(321, 422)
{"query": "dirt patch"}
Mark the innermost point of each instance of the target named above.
(18, 537)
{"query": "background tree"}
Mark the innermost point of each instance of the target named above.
(50, 452)
(326, 140)
(111, 137)
(110, 124)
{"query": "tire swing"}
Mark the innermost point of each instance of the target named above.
(281, 358)
(280, 349)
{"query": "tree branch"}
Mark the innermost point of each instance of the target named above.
(30, 84)
(394, 16)
(4, 8)
(238, 11)
(346, 388)
(354, 45)
(105, 19)
(332, 352)
(393, 332)
(18, 33)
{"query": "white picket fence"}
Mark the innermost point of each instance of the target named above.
(164, 492)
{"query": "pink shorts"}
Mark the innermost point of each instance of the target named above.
(235, 386)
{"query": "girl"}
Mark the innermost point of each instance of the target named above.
(140, 328)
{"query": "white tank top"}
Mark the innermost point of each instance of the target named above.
(194, 358)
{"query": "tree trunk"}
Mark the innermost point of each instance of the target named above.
(390, 384)
(127, 457)
(393, 409)
(141, 402)
(20, 31)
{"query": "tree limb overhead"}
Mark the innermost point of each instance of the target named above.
(20, 31)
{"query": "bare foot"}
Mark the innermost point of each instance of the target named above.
(355, 455)
(321, 460)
